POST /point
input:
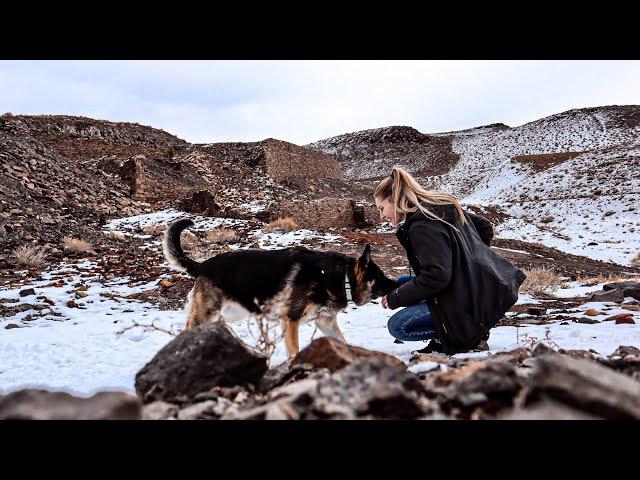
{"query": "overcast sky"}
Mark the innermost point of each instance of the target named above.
(304, 101)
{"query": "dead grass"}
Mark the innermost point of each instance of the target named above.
(540, 281)
(286, 224)
(221, 235)
(76, 245)
(154, 229)
(29, 256)
(635, 261)
(113, 235)
(601, 278)
(188, 239)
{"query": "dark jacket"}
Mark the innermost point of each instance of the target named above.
(468, 287)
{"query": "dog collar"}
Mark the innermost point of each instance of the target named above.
(347, 287)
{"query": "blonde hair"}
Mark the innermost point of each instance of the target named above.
(407, 195)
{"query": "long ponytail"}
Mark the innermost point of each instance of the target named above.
(407, 195)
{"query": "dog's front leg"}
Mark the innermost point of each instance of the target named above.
(327, 322)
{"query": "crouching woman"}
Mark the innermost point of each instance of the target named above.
(461, 287)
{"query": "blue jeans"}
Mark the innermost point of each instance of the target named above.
(414, 322)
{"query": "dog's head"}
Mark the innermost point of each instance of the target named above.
(370, 281)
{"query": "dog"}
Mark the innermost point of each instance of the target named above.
(292, 285)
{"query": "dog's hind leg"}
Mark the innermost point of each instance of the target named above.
(291, 339)
(326, 321)
(204, 304)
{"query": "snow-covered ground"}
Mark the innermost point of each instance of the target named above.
(102, 344)
(98, 347)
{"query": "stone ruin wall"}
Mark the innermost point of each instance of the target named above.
(328, 213)
(284, 159)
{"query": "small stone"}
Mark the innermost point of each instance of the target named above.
(592, 312)
(11, 325)
(27, 291)
(165, 283)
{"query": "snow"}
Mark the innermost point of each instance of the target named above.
(91, 349)
(164, 217)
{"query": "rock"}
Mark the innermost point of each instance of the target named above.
(592, 312)
(540, 349)
(165, 283)
(514, 356)
(72, 304)
(27, 291)
(546, 410)
(197, 411)
(585, 385)
(159, 410)
(372, 387)
(587, 320)
(9, 326)
(629, 288)
(624, 350)
(32, 404)
(623, 319)
(631, 308)
(493, 378)
(537, 311)
(197, 360)
(284, 373)
(620, 318)
(607, 296)
(327, 352)
(201, 202)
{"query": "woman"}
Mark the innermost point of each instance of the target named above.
(461, 287)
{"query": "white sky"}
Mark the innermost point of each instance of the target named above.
(304, 101)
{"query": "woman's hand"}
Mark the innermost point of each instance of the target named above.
(385, 303)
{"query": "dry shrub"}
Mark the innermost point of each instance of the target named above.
(29, 256)
(587, 281)
(266, 332)
(203, 252)
(635, 261)
(221, 235)
(76, 245)
(113, 235)
(154, 229)
(541, 280)
(188, 239)
(286, 224)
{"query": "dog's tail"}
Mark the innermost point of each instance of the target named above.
(173, 250)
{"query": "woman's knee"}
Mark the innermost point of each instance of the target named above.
(394, 325)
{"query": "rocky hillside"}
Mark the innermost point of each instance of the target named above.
(369, 153)
(570, 180)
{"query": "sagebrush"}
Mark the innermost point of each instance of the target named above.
(286, 224)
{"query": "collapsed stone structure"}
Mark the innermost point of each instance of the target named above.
(327, 213)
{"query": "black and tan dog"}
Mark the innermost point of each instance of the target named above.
(292, 285)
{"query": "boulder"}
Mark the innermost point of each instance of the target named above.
(607, 296)
(196, 361)
(201, 202)
(585, 385)
(372, 388)
(327, 352)
(546, 410)
(629, 288)
(34, 404)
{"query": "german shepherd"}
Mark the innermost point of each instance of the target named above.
(292, 285)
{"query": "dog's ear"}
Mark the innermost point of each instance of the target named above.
(365, 258)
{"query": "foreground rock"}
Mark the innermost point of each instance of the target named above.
(327, 352)
(367, 389)
(585, 385)
(32, 404)
(196, 361)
